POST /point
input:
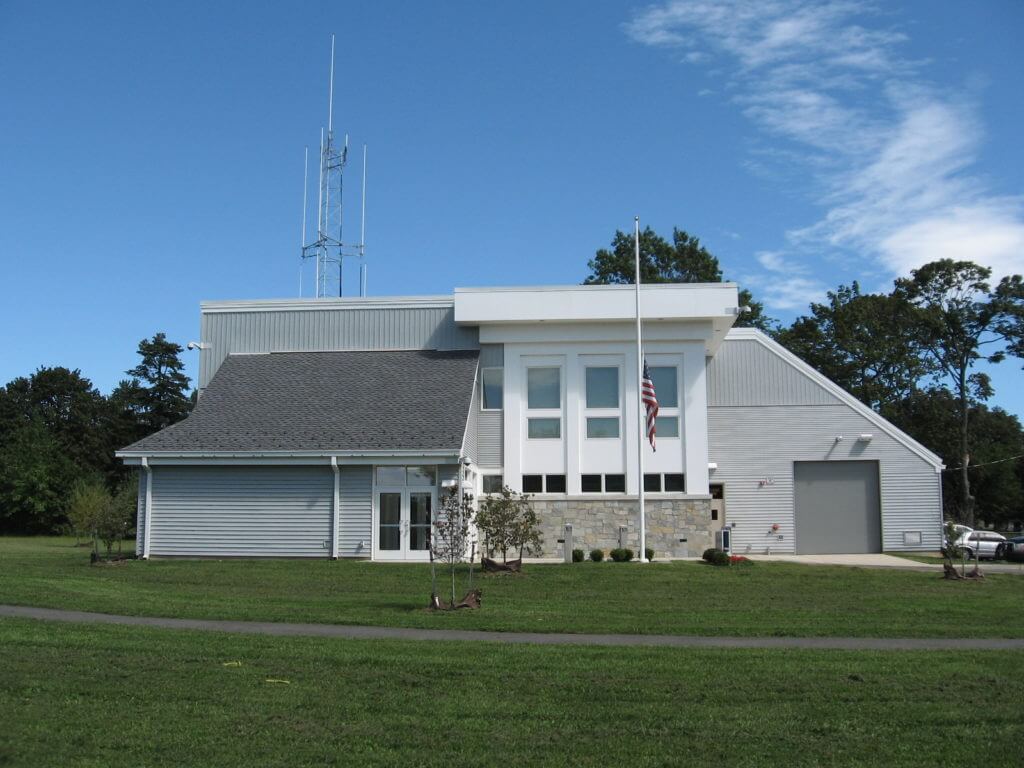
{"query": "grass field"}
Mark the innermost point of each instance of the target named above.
(73, 695)
(671, 598)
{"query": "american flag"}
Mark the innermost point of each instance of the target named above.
(650, 403)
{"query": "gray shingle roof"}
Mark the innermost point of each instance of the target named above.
(328, 401)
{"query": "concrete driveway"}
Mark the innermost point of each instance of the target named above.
(884, 561)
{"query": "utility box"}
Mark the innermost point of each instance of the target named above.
(723, 540)
(622, 537)
(567, 544)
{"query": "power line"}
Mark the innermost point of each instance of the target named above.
(985, 464)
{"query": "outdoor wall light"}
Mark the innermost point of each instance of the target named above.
(866, 438)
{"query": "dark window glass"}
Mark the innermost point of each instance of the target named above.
(590, 483)
(675, 483)
(493, 483)
(602, 387)
(615, 483)
(714, 514)
(555, 483)
(666, 389)
(543, 388)
(717, 492)
(493, 386)
(652, 483)
(533, 483)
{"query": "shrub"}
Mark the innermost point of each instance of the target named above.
(715, 557)
(578, 555)
(621, 555)
(649, 554)
(597, 555)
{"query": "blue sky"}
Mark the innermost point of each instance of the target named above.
(151, 154)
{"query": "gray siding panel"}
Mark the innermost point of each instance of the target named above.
(329, 330)
(269, 511)
(140, 514)
(744, 372)
(761, 443)
(356, 485)
(489, 440)
(469, 443)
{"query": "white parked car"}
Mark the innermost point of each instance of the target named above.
(980, 544)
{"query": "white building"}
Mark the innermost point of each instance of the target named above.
(327, 427)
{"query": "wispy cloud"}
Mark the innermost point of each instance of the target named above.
(889, 156)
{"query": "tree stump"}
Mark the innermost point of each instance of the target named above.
(493, 566)
(471, 600)
(950, 572)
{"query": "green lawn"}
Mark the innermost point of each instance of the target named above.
(73, 695)
(676, 598)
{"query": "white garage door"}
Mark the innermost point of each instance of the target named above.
(837, 507)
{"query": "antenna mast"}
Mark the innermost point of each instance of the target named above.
(329, 250)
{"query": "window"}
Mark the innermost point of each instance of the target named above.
(666, 386)
(603, 387)
(543, 388)
(493, 381)
(652, 483)
(540, 429)
(554, 483)
(533, 483)
(493, 483)
(390, 475)
(602, 427)
(675, 483)
(590, 483)
(615, 483)
(667, 426)
(420, 475)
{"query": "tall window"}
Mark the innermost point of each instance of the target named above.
(602, 401)
(666, 387)
(544, 403)
(493, 385)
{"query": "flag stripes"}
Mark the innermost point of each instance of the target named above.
(650, 401)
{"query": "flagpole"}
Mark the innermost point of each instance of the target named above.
(640, 403)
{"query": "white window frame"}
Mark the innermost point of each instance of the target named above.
(601, 413)
(544, 413)
(675, 411)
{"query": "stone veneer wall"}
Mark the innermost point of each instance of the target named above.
(596, 525)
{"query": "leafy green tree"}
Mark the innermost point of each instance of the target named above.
(85, 506)
(507, 521)
(961, 322)
(36, 477)
(930, 416)
(158, 388)
(864, 342)
(684, 260)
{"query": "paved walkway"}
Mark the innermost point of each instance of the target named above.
(885, 561)
(528, 638)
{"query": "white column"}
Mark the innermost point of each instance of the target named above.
(695, 418)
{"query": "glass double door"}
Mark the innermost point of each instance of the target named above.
(404, 519)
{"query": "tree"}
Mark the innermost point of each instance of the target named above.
(507, 521)
(960, 322)
(863, 342)
(684, 260)
(88, 498)
(36, 477)
(163, 400)
(452, 534)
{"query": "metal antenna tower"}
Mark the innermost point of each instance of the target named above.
(330, 250)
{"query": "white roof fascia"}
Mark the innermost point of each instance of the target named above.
(439, 452)
(596, 303)
(838, 392)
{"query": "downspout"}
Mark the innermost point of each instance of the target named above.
(148, 511)
(336, 516)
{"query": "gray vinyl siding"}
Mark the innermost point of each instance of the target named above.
(469, 442)
(341, 328)
(140, 514)
(744, 372)
(489, 440)
(222, 511)
(356, 511)
(489, 424)
(753, 443)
